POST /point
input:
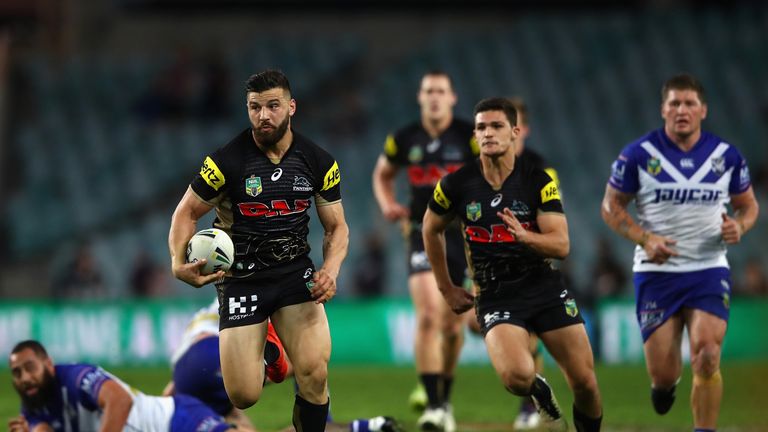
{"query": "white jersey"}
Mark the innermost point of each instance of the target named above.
(205, 321)
(682, 196)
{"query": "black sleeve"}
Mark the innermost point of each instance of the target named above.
(211, 181)
(444, 196)
(393, 150)
(548, 192)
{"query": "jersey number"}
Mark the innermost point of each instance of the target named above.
(276, 208)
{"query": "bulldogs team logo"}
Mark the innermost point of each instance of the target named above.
(718, 165)
(253, 186)
(654, 166)
(474, 211)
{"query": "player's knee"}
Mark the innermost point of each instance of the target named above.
(452, 329)
(245, 397)
(706, 359)
(313, 374)
(584, 384)
(518, 381)
(664, 376)
(428, 321)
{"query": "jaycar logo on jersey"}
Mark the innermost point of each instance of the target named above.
(332, 177)
(687, 196)
(253, 186)
(211, 173)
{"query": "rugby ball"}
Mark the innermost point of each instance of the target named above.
(214, 245)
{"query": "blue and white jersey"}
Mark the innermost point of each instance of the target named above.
(74, 406)
(205, 322)
(681, 195)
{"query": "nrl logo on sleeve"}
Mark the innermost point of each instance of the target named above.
(416, 154)
(654, 166)
(253, 186)
(570, 307)
(474, 211)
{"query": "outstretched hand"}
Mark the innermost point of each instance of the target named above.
(190, 273)
(18, 424)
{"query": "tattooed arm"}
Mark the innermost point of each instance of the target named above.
(616, 216)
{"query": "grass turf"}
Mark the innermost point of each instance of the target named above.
(480, 402)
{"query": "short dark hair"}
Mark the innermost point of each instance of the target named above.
(521, 107)
(438, 72)
(267, 80)
(498, 104)
(683, 81)
(34, 345)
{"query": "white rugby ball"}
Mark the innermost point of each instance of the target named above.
(214, 245)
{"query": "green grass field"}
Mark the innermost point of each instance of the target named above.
(481, 404)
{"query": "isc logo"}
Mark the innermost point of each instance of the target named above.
(275, 208)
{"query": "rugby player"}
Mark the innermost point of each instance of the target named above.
(514, 224)
(437, 144)
(681, 179)
(262, 184)
(85, 398)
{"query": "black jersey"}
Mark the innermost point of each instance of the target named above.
(493, 254)
(263, 205)
(428, 159)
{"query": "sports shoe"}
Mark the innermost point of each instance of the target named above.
(547, 406)
(663, 399)
(418, 398)
(433, 419)
(278, 369)
(450, 421)
(528, 418)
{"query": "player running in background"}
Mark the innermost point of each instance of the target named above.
(197, 372)
(262, 184)
(428, 149)
(85, 398)
(681, 179)
(513, 225)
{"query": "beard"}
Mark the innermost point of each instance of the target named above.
(270, 139)
(44, 395)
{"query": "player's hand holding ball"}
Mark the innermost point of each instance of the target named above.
(210, 254)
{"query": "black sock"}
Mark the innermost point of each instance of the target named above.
(431, 384)
(447, 385)
(308, 417)
(583, 423)
(271, 352)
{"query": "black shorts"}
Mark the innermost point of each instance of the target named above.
(539, 304)
(454, 245)
(252, 300)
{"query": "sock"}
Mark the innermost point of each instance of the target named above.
(703, 430)
(367, 425)
(447, 385)
(308, 417)
(583, 423)
(431, 383)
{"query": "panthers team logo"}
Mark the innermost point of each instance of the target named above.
(718, 165)
(253, 186)
(654, 166)
(570, 307)
(474, 211)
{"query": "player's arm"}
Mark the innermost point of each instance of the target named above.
(20, 424)
(183, 225)
(552, 239)
(384, 175)
(433, 231)
(615, 214)
(745, 209)
(115, 403)
(335, 244)
(169, 389)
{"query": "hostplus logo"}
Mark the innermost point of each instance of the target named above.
(242, 306)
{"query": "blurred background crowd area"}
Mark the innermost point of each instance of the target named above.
(107, 110)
